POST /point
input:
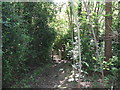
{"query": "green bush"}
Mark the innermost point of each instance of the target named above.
(27, 38)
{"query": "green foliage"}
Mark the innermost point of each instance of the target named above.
(27, 38)
(112, 65)
(30, 30)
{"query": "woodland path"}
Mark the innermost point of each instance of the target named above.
(56, 76)
(59, 75)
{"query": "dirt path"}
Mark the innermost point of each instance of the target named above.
(60, 75)
(57, 76)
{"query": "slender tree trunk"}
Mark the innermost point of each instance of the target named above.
(119, 31)
(108, 30)
(71, 26)
(79, 42)
(79, 9)
(96, 21)
(71, 23)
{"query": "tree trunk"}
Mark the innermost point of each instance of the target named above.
(71, 26)
(119, 31)
(108, 30)
(96, 21)
(79, 43)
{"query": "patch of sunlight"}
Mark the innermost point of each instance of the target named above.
(101, 30)
(60, 1)
(76, 75)
(62, 82)
(70, 79)
(86, 84)
(76, 79)
(66, 78)
(59, 86)
(55, 86)
(61, 69)
(54, 65)
(63, 87)
(72, 72)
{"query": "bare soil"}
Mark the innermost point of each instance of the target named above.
(59, 75)
(56, 76)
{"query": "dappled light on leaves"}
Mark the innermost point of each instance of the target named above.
(60, 45)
